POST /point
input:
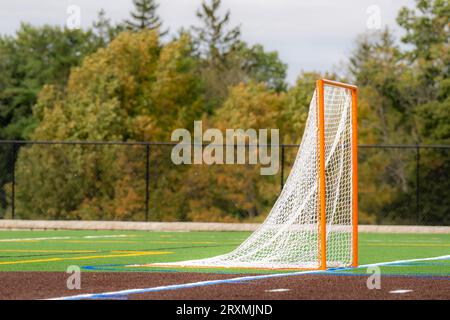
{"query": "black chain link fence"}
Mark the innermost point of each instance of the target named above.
(398, 184)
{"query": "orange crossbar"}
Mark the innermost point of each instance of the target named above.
(340, 84)
(322, 178)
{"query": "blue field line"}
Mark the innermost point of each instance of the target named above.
(417, 264)
(125, 293)
(184, 286)
(116, 294)
(334, 272)
(120, 268)
(112, 297)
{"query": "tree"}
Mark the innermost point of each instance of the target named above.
(33, 57)
(434, 124)
(215, 45)
(213, 38)
(385, 115)
(427, 32)
(227, 60)
(233, 193)
(135, 89)
(105, 30)
(404, 99)
(427, 35)
(262, 66)
(387, 88)
(145, 17)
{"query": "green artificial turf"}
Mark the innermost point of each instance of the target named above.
(115, 250)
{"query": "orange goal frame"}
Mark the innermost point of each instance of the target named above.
(322, 178)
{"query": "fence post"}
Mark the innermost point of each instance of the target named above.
(418, 184)
(13, 181)
(147, 180)
(282, 168)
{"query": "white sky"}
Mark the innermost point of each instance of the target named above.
(308, 34)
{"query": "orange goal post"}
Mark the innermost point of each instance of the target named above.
(320, 90)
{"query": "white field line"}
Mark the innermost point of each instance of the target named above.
(401, 291)
(278, 290)
(33, 239)
(232, 280)
(64, 238)
(407, 241)
(404, 261)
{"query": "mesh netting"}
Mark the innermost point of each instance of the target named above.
(289, 237)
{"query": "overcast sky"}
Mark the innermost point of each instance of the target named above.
(308, 34)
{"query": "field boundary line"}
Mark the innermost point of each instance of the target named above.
(65, 238)
(231, 280)
(187, 226)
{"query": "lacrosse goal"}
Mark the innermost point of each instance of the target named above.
(314, 222)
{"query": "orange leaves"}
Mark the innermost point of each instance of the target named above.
(250, 106)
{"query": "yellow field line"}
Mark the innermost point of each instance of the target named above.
(193, 242)
(94, 241)
(156, 242)
(182, 242)
(134, 254)
(51, 251)
(16, 240)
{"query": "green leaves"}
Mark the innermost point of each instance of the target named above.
(34, 57)
(145, 17)
(132, 90)
(404, 99)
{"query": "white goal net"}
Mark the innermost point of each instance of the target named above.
(291, 235)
